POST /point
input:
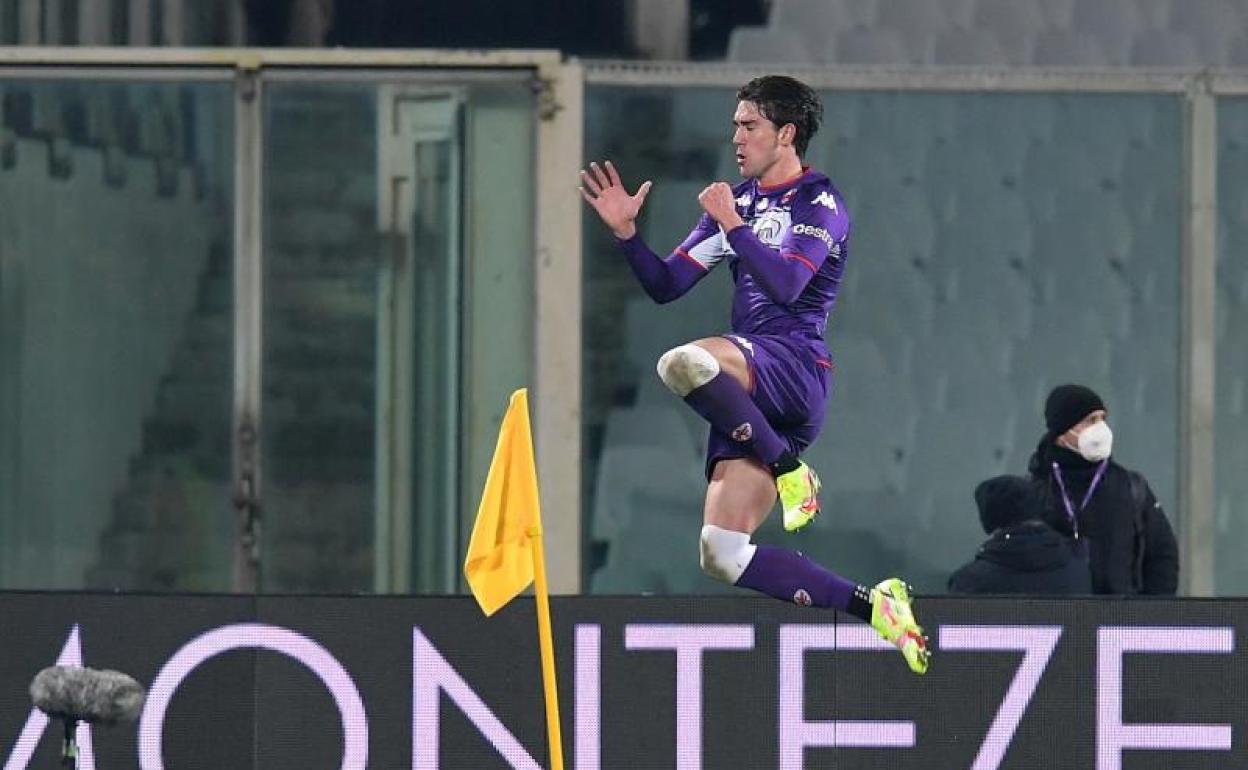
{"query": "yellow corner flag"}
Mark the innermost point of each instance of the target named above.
(505, 551)
(499, 564)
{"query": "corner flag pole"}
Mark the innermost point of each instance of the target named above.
(541, 595)
(505, 553)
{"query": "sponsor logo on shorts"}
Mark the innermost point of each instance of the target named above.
(818, 232)
(802, 598)
(743, 432)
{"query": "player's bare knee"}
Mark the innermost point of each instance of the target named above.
(725, 553)
(686, 368)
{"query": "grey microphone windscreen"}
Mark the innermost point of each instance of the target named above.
(75, 692)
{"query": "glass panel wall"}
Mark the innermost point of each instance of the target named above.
(1231, 421)
(1002, 244)
(116, 334)
(398, 317)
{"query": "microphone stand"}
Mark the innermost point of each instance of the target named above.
(69, 749)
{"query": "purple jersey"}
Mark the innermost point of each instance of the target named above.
(804, 223)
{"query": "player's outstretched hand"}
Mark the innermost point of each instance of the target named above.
(605, 192)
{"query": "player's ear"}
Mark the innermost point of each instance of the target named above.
(787, 133)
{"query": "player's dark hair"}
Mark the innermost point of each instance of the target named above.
(782, 99)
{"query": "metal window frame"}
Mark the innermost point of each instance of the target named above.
(557, 344)
(557, 370)
(1198, 270)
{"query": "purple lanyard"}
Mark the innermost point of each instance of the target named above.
(1070, 509)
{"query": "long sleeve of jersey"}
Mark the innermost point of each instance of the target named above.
(779, 275)
(667, 278)
(783, 273)
(663, 279)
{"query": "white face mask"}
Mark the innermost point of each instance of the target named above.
(1096, 442)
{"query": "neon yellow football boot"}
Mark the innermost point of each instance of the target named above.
(892, 616)
(799, 496)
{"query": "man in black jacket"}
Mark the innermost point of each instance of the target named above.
(1108, 509)
(1023, 554)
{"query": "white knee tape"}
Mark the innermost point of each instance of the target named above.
(687, 367)
(725, 553)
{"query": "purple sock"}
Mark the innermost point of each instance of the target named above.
(792, 577)
(729, 409)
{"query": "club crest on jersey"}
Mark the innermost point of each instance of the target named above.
(825, 199)
(802, 598)
(769, 226)
(742, 433)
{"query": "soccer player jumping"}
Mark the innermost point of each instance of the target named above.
(763, 387)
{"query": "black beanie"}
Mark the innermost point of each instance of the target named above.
(1067, 405)
(1006, 500)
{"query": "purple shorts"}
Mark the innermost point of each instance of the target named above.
(789, 382)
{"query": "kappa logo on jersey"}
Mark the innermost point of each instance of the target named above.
(744, 200)
(818, 232)
(825, 199)
(788, 196)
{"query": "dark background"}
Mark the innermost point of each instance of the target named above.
(263, 710)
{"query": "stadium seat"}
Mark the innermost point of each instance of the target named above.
(1212, 23)
(648, 334)
(1005, 126)
(822, 14)
(655, 549)
(1171, 48)
(872, 372)
(972, 184)
(869, 167)
(819, 21)
(879, 46)
(860, 449)
(1092, 225)
(954, 450)
(1068, 166)
(1232, 571)
(768, 44)
(654, 425)
(946, 535)
(1068, 48)
(917, 123)
(893, 299)
(969, 48)
(1071, 347)
(1014, 23)
(626, 470)
(842, 112)
(693, 127)
(920, 22)
(992, 302)
(1057, 13)
(1237, 52)
(1113, 23)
